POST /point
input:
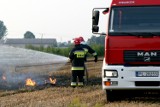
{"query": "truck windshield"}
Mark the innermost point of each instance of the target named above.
(135, 20)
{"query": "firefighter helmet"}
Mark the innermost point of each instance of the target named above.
(76, 41)
(81, 39)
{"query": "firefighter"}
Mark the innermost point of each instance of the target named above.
(88, 49)
(77, 58)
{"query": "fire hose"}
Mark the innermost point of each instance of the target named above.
(86, 74)
(86, 70)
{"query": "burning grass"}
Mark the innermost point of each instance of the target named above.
(20, 81)
(62, 95)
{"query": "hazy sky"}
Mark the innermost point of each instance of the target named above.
(60, 19)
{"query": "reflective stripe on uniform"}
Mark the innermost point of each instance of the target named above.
(73, 83)
(86, 50)
(94, 54)
(77, 68)
(79, 54)
(80, 84)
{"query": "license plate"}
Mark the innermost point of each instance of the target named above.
(147, 74)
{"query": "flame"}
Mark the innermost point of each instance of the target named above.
(52, 81)
(3, 77)
(30, 82)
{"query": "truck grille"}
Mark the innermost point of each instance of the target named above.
(142, 56)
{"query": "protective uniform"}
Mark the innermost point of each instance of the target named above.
(88, 49)
(77, 57)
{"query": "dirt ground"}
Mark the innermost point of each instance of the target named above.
(62, 95)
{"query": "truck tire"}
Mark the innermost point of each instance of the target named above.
(110, 96)
(114, 95)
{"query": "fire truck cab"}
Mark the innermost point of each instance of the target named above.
(132, 47)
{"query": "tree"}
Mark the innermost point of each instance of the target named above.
(29, 35)
(3, 30)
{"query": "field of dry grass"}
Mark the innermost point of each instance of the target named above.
(62, 95)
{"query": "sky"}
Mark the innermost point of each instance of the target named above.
(60, 19)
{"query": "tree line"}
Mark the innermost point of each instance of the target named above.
(97, 43)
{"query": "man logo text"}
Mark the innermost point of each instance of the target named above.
(145, 54)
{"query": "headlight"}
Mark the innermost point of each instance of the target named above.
(110, 73)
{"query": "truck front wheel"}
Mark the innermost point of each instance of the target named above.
(110, 96)
(114, 95)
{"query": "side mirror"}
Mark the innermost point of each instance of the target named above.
(95, 28)
(95, 17)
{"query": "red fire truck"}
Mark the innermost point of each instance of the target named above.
(132, 47)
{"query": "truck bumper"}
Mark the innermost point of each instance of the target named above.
(127, 78)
